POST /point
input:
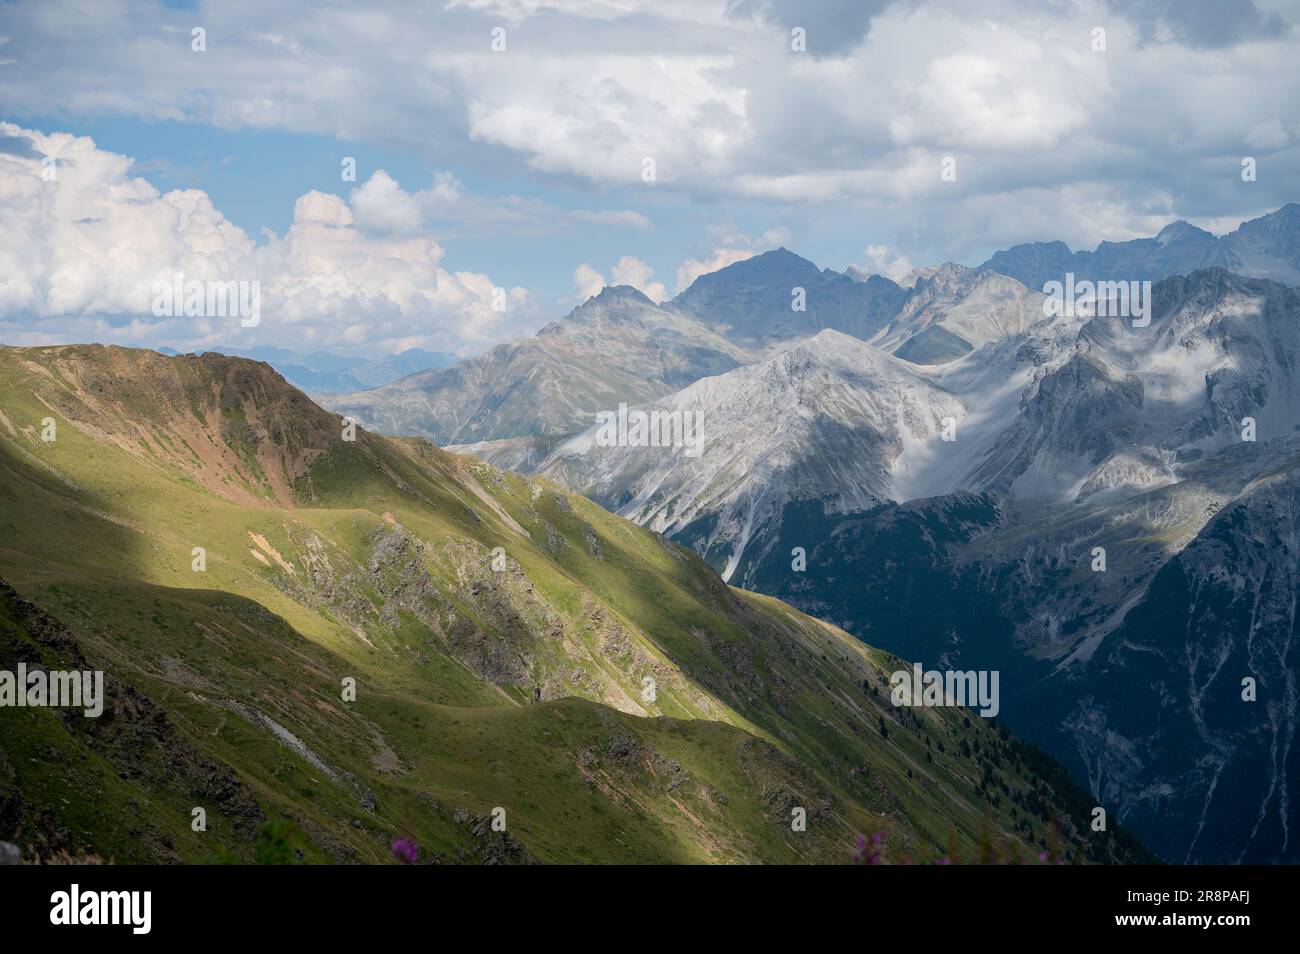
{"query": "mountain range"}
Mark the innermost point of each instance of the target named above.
(978, 479)
(618, 345)
(321, 372)
(544, 624)
(1265, 247)
(330, 641)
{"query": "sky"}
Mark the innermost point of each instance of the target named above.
(512, 156)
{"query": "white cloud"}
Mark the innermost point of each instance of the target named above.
(1012, 96)
(732, 247)
(856, 128)
(587, 281)
(1268, 135)
(693, 268)
(628, 270)
(83, 253)
(603, 116)
(882, 260)
(381, 204)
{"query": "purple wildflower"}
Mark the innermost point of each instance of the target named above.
(868, 851)
(406, 851)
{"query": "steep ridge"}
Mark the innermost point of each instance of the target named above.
(829, 419)
(1064, 416)
(680, 719)
(826, 419)
(1266, 247)
(321, 372)
(618, 346)
(939, 315)
(956, 310)
(1074, 436)
(1132, 406)
(1189, 717)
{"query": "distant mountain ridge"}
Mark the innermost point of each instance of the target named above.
(825, 418)
(321, 372)
(618, 346)
(530, 392)
(1265, 247)
(777, 296)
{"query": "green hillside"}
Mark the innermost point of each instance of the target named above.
(680, 720)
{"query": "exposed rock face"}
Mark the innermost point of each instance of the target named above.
(166, 412)
(617, 347)
(955, 310)
(1187, 716)
(407, 628)
(826, 419)
(491, 847)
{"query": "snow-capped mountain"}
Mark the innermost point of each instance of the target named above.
(620, 347)
(1075, 436)
(1121, 551)
(1045, 411)
(830, 419)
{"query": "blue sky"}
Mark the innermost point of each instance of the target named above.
(519, 171)
(254, 176)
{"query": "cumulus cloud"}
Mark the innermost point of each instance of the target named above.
(86, 244)
(882, 260)
(587, 281)
(628, 270)
(604, 116)
(382, 204)
(1270, 134)
(858, 126)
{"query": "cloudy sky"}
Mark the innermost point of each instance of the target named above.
(496, 187)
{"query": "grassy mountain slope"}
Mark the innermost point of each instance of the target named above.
(450, 592)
